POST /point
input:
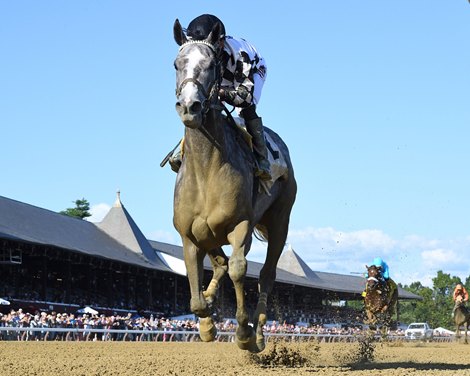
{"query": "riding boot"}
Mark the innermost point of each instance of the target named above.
(176, 160)
(255, 128)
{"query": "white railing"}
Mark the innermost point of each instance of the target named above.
(82, 334)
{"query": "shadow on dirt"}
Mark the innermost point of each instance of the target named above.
(409, 366)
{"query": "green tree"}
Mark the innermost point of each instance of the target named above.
(443, 286)
(436, 304)
(81, 209)
(467, 283)
(417, 310)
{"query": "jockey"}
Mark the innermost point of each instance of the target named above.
(243, 76)
(384, 271)
(460, 295)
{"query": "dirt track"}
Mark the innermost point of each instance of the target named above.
(201, 359)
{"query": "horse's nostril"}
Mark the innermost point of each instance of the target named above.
(195, 108)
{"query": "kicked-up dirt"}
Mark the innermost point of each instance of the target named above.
(225, 359)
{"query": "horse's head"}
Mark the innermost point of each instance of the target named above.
(197, 74)
(374, 276)
(459, 301)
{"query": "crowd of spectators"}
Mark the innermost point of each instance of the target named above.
(86, 321)
(151, 328)
(28, 293)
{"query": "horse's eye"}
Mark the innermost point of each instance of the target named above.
(174, 64)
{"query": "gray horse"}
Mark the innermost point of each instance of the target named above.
(461, 317)
(216, 198)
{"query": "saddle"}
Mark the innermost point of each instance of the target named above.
(278, 164)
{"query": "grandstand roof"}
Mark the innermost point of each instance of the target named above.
(291, 262)
(119, 225)
(118, 238)
(31, 224)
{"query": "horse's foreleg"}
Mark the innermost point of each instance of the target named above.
(219, 263)
(371, 319)
(240, 240)
(193, 259)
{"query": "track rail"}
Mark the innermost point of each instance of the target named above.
(81, 334)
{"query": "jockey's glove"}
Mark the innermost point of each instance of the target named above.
(227, 95)
(237, 98)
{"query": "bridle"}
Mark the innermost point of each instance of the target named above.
(375, 282)
(373, 279)
(211, 96)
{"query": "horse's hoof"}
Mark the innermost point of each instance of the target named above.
(249, 343)
(207, 329)
(260, 343)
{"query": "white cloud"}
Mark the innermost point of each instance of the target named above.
(327, 249)
(415, 241)
(438, 258)
(411, 258)
(328, 237)
(98, 212)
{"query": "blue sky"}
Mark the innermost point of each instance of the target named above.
(371, 97)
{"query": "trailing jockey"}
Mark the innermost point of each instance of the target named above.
(460, 296)
(383, 276)
(384, 270)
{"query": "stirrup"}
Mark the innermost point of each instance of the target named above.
(262, 169)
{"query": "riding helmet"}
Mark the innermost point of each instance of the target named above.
(378, 261)
(200, 27)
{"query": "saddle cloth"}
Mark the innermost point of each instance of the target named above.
(276, 159)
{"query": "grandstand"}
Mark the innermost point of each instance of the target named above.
(49, 261)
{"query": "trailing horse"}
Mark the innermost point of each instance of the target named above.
(461, 317)
(217, 200)
(380, 298)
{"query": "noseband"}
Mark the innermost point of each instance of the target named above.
(213, 87)
(375, 283)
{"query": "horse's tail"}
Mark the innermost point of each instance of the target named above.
(261, 233)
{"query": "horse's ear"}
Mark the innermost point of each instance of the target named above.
(178, 33)
(214, 35)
